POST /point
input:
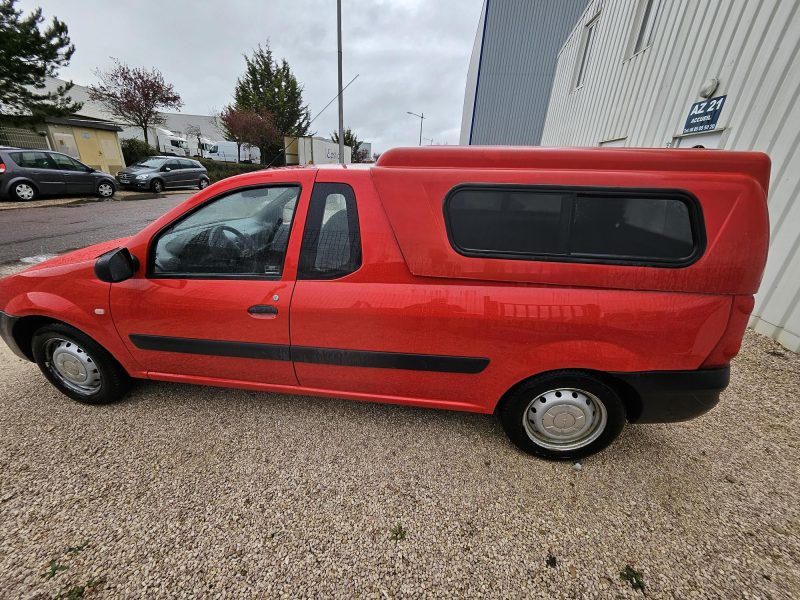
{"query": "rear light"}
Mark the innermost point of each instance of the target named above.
(2, 168)
(731, 340)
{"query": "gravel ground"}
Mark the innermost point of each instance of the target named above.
(191, 492)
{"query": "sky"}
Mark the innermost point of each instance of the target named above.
(409, 55)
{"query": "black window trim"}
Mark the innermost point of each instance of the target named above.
(353, 224)
(151, 250)
(696, 223)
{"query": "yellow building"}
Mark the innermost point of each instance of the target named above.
(94, 142)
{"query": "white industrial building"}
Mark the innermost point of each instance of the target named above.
(681, 73)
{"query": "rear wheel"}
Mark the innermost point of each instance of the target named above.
(78, 366)
(157, 186)
(563, 415)
(24, 191)
(203, 184)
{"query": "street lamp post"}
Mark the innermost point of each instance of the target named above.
(341, 108)
(421, 119)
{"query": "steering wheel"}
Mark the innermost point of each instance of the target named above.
(241, 242)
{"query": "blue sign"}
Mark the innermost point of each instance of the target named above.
(703, 116)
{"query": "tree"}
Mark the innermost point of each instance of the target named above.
(28, 55)
(245, 126)
(195, 131)
(268, 86)
(350, 139)
(134, 95)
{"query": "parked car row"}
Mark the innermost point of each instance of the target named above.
(28, 174)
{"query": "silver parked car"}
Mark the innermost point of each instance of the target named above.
(158, 173)
(28, 174)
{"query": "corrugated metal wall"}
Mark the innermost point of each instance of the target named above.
(516, 65)
(753, 48)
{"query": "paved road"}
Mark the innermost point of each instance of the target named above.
(51, 230)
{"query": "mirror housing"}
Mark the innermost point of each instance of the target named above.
(116, 265)
(165, 169)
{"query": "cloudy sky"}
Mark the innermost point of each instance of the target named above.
(410, 55)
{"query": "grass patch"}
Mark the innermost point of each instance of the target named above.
(633, 577)
(53, 569)
(398, 532)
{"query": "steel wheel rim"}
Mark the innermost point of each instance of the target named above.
(72, 366)
(565, 419)
(105, 190)
(24, 191)
(157, 186)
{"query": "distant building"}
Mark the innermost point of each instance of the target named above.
(175, 122)
(716, 74)
(511, 70)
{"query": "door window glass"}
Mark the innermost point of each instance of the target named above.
(332, 241)
(65, 163)
(172, 165)
(186, 164)
(242, 234)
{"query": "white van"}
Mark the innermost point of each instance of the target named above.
(226, 151)
(168, 142)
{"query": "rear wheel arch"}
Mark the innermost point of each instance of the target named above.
(16, 182)
(629, 396)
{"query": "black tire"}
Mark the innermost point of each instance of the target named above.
(517, 420)
(113, 383)
(16, 191)
(157, 186)
(102, 186)
(203, 183)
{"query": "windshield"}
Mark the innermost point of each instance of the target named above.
(153, 163)
(213, 149)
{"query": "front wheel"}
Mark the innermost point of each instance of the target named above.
(105, 189)
(78, 366)
(157, 186)
(563, 415)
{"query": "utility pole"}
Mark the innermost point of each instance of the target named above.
(341, 107)
(421, 119)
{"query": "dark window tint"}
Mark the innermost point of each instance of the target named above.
(65, 163)
(33, 160)
(654, 228)
(172, 165)
(186, 164)
(508, 220)
(331, 241)
(241, 234)
(578, 224)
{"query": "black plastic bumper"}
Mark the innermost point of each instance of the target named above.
(6, 327)
(669, 396)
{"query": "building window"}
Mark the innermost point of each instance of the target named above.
(660, 228)
(586, 49)
(644, 35)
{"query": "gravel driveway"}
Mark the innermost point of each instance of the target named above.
(200, 492)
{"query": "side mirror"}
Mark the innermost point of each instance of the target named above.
(116, 265)
(165, 169)
(90, 170)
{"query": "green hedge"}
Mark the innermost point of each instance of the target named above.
(220, 170)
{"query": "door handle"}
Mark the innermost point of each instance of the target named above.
(263, 309)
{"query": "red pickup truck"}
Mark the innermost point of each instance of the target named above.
(569, 291)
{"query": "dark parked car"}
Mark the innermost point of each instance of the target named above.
(157, 173)
(28, 174)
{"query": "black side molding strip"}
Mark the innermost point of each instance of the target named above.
(211, 347)
(389, 360)
(309, 354)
